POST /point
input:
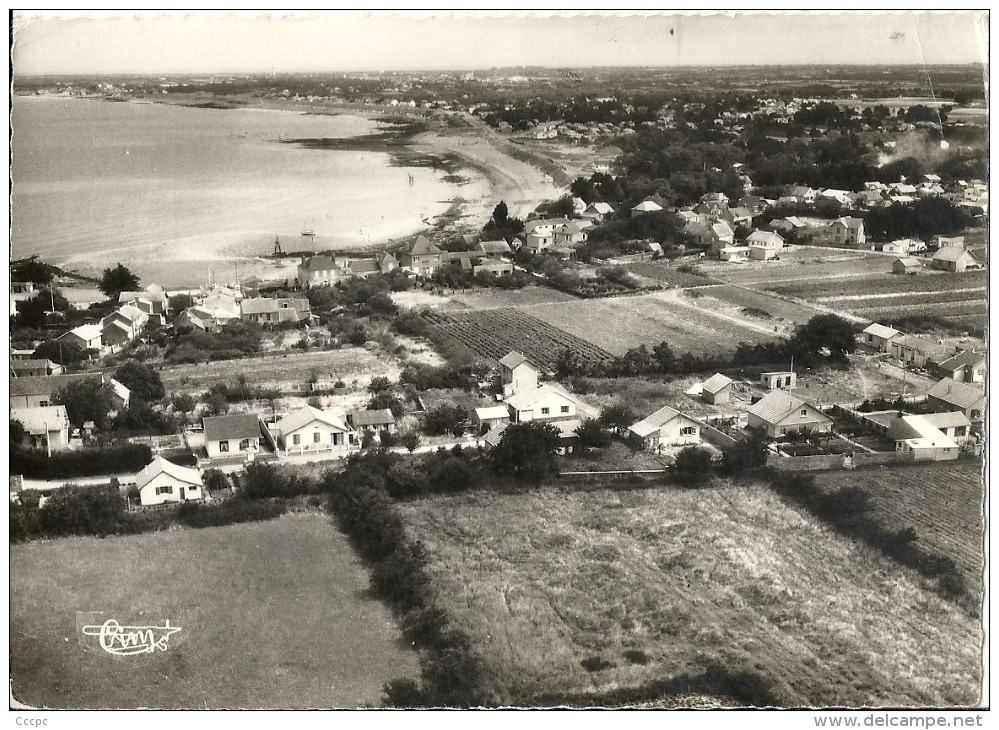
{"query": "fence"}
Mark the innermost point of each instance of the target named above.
(839, 461)
(711, 434)
(598, 476)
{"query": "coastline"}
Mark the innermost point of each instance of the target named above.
(467, 155)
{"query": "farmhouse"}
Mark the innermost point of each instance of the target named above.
(665, 427)
(778, 380)
(764, 245)
(232, 435)
(489, 417)
(372, 421)
(780, 413)
(879, 336)
(44, 426)
(548, 402)
(34, 367)
(312, 429)
(926, 442)
(906, 265)
(953, 259)
(917, 351)
(518, 374)
(163, 481)
(966, 366)
(318, 271)
(493, 266)
(951, 395)
(848, 231)
(421, 257)
(717, 389)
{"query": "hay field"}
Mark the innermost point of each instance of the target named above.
(272, 615)
(647, 585)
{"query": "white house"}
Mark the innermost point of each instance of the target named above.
(927, 442)
(780, 413)
(232, 435)
(764, 245)
(163, 481)
(547, 403)
(879, 336)
(848, 230)
(518, 374)
(45, 427)
(311, 429)
(490, 417)
(86, 337)
(665, 427)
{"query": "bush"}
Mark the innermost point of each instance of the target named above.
(386, 438)
(82, 462)
(229, 512)
(596, 664)
(267, 481)
(452, 475)
(446, 418)
(73, 510)
(693, 466)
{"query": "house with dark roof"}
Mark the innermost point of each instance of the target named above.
(421, 257)
(387, 262)
(952, 395)
(363, 267)
(319, 270)
(33, 391)
(665, 427)
(780, 413)
(372, 421)
(967, 366)
(232, 435)
(517, 374)
(163, 482)
(267, 310)
(34, 367)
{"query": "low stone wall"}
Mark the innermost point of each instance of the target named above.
(839, 461)
(711, 434)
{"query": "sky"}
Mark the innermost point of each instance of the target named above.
(212, 42)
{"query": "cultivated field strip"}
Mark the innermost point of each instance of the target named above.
(950, 310)
(492, 333)
(752, 299)
(823, 289)
(942, 502)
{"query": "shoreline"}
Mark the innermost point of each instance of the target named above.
(410, 138)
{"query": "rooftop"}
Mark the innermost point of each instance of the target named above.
(307, 415)
(159, 465)
(235, 426)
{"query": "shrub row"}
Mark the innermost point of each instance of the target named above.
(80, 463)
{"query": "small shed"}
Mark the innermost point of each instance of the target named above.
(906, 265)
(778, 380)
(954, 259)
(717, 389)
(487, 418)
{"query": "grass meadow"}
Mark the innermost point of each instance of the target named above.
(589, 593)
(272, 614)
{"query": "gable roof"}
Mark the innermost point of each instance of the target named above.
(85, 332)
(493, 247)
(654, 422)
(880, 330)
(31, 364)
(513, 359)
(963, 359)
(47, 384)
(849, 222)
(159, 465)
(953, 253)
(371, 418)
(920, 432)
(523, 401)
(259, 305)
(765, 238)
(722, 229)
(421, 247)
(715, 383)
(947, 420)
(908, 261)
(489, 412)
(495, 434)
(322, 262)
(956, 393)
(235, 426)
(602, 208)
(307, 415)
(41, 419)
(777, 405)
(363, 266)
(387, 259)
(552, 223)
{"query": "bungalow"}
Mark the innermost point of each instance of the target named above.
(372, 421)
(152, 300)
(915, 434)
(840, 196)
(764, 245)
(318, 271)
(421, 257)
(85, 337)
(791, 224)
(493, 266)
(232, 435)
(362, 267)
(916, 351)
(311, 429)
(717, 389)
(902, 246)
(947, 241)
(490, 417)
(741, 216)
(879, 336)
(45, 427)
(518, 374)
(779, 380)
(800, 194)
(906, 265)
(953, 258)
(494, 248)
(848, 231)
(954, 424)
(34, 367)
(162, 482)
(548, 402)
(734, 253)
(967, 366)
(952, 395)
(780, 413)
(220, 307)
(598, 211)
(266, 310)
(665, 427)
(754, 203)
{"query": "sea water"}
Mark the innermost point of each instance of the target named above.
(176, 192)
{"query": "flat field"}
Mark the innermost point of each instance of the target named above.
(492, 333)
(272, 615)
(493, 298)
(750, 299)
(617, 324)
(668, 274)
(575, 594)
(942, 502)
(804, 264)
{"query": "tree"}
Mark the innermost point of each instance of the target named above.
(526, 451)
(445, 418)
(501, 214)
(591, 435)
(87, 400)
(32, 270)
(183, 402)
(216, 405)
(825, 331)
(385, 399)
(410, 439)
(692, 466)
(746, 454)
(17, 434)
(386, 438)
(180, 302)
(617, 416)
(562, 207)
(216, 480)
(144, 382)
(115, 281)
(379, 383)
(34, 313)
(451, 475)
